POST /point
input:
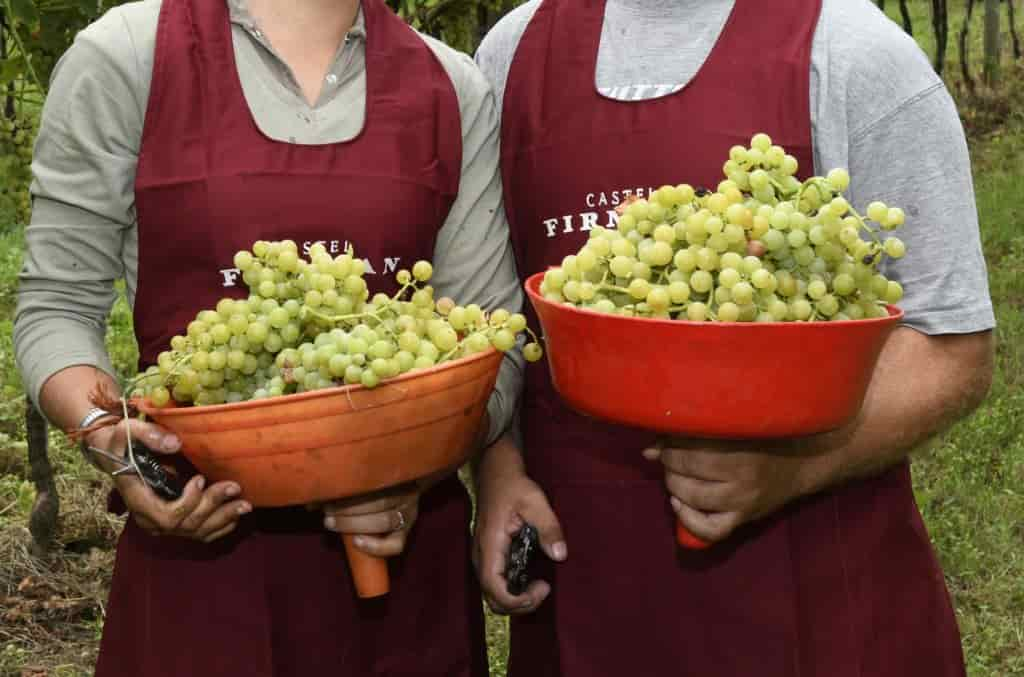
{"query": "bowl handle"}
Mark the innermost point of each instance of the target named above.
(686, 539)
(369, 573)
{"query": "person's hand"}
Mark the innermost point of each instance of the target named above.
(381, 520)
(202, 513)
(504, 504)
(717, 486)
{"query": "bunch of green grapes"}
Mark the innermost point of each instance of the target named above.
(17, 135)
(309, 325)
(763, 247)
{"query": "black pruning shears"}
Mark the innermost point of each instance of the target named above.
(141, 461)
(520, 554)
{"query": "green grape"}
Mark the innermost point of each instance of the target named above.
(423, 362)
(621, 266)
(516, 323)
(446, 339)
(800, 309)
(894, 218)
(160, 396)
(503, 340)
(658, 299)
(878, 211)
(478, 342)
(697, 312)
(678, 291)
(893, 292)
(701, 281)
(728, 312)
(729, 278)
(827, 305)
(894, 247)
(639, 288)
(532, 352)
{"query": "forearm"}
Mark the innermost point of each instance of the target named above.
(921, 385)
(500, 460)
(65, 398)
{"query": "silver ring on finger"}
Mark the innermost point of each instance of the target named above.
(401, 520)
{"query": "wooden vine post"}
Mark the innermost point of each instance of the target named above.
(991, 72)
(42, 523)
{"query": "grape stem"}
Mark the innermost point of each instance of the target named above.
(166, 379)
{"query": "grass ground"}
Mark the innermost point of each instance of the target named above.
(970, 483)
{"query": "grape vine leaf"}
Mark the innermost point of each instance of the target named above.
(10, 70)
(24, 12)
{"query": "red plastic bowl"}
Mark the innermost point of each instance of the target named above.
(710, 379)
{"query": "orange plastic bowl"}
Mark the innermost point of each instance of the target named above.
(711, 379)
(338, 442)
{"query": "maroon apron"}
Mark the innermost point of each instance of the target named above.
(275, 598)
(843, 583)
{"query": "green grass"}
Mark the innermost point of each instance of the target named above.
(969, 484)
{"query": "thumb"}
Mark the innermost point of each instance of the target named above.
(157, 438)
(538, 512)
(653, 453)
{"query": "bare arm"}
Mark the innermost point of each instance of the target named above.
(921, 385)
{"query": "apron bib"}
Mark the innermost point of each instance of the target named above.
(274, 598)
(836, 584)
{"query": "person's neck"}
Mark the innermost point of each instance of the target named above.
(318, 24)
(306, 34)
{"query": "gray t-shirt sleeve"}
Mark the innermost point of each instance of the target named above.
(474, 261)
(496, 50)
(880, 110)
(944, 273)
(82, 216)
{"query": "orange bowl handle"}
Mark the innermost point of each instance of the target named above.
(369, 573)
(686, 538)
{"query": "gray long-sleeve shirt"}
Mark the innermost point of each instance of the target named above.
(877, 109)
(83, 233)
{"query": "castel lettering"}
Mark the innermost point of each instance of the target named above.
(600, 211)
(388, 265)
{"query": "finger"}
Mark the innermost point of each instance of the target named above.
(377, 523)
(703, 464)
(703, 495)
(652, 453)
(212, 499)
(225, 516)
(493, 542)
(711, 527)
(154, 436)
(401, 517)
(537, 511)
(140, 499)
(220, 534)
(514, 605)
(382, 546)
(380, 501)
